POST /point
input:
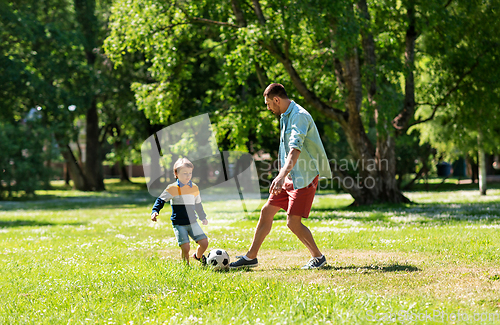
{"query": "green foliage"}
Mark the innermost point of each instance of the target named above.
(40, 55)
(413, 156)
(152, 63)
(25, 148)
(199, 61)
(465, 52)
(51, 58)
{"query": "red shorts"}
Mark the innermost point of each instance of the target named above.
(295, 202)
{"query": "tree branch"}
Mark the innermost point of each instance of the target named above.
(258, 12)
(309, 96)
(425, 104)
(169, 27)
(213, 22)
(369, 51)
(240, 17)
(339, 74)
(261, 75)
(452, 90)
(206, 21)
(419, 174)
(404, 116)
(102, 133)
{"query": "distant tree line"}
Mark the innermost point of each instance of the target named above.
(390, 82)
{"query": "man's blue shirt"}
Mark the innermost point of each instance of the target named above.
(298, 130)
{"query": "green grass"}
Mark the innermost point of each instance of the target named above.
(84, 258)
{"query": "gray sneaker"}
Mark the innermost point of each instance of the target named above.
(244, 263)
(315, 263)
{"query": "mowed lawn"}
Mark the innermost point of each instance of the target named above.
(86, 258)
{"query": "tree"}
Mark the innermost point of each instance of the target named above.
(31, 69)
(468, 122)
(25, 147)
(353, 62)
(52, 60)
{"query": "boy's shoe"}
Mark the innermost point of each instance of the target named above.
(244, 263)
(315, 263)
(203, 259)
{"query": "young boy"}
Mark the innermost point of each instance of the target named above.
(185, 199)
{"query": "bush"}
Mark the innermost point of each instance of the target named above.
(25, 147)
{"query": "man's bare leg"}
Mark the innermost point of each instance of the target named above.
(294, 223)
(264, 226)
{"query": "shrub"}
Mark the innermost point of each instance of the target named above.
(25, 149)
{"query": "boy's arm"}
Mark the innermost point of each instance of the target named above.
(159, 203)
(198, 207)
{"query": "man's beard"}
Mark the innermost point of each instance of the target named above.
(276, 113)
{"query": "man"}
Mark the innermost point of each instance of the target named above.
(302, 161)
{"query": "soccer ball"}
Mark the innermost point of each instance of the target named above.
(218, 259)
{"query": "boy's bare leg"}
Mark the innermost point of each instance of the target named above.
(264, 226)
(202, 247)
(185, 252)
(294, 223)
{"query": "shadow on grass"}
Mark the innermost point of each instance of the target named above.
(98, 201)
(488, 212)
(442, 213)
(112, 185)
(34, 223)
(450, 186)
(375, 268)
(360, 269)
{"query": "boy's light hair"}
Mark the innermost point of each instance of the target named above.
(182, 162)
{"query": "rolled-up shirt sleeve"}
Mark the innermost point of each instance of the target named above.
(299, 127)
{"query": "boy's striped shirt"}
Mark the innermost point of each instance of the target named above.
(185, 200)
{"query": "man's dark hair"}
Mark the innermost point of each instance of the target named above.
(274, 90)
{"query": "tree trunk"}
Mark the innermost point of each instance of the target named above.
(122, 169)
(93, 159)
(375, 180)
(472, 169)
(482, 164)
(375, 168)
(87, 19)
(67, 177)
(75, 171)
(123, 173)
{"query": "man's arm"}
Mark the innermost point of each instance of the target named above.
(291, 160)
